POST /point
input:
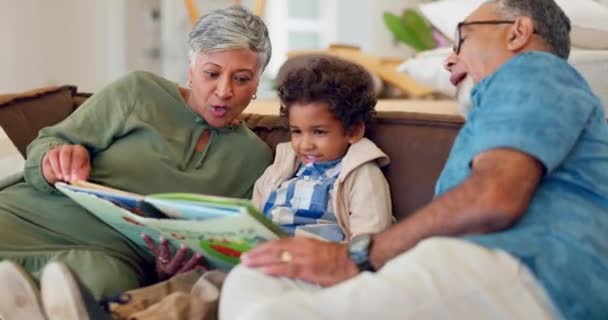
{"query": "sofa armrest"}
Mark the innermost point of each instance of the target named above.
(11, 179)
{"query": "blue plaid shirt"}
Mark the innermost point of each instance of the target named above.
(303, 203)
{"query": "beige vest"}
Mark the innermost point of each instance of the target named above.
(362, 201)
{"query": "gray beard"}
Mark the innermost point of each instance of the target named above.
(463, 96)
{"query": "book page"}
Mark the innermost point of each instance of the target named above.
(94, 186)
(220, 240)
(204, 207)
(185, 209)
(122, 220)
(132, 202)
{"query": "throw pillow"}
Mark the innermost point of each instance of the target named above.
(11, 161)
(427, 68)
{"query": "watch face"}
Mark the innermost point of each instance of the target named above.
(358, 248)
(360, 243)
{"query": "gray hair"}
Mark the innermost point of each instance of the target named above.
(230, 28)
(550, 21)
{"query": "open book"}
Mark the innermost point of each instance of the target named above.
(217, 227)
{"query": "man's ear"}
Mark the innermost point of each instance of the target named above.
(520, 34)
(356, 133)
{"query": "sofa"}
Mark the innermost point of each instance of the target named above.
(416, 135)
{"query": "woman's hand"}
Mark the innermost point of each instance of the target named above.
(68, 162)
(167, 266)
(303, 258)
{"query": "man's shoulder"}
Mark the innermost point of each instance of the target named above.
(539, 67)
(536, 79)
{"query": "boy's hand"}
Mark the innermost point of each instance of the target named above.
(321, 262)
(68, 162)
(166, 265)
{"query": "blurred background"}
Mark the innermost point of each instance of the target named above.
(91, 42)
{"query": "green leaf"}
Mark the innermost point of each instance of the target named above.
(419, 26)
(402, 32)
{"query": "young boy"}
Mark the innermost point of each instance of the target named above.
(326, 182)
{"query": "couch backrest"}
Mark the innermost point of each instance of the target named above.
(417, 144)
(22, 115)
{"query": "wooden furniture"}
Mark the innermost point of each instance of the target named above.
(384, 68)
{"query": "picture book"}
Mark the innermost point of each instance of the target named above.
(219, 228)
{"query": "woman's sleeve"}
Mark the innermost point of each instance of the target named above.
(369, 201)
(94, 125)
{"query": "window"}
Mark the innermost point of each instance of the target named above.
(299, 25)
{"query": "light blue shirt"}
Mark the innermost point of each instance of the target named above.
(302, 204)
(538, 104)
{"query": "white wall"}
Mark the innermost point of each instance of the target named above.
(84, 42)
(20, 55)
(60, 41)
(91, 42)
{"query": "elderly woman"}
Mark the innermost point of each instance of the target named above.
(144, 134)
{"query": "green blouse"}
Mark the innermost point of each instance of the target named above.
(142, 137)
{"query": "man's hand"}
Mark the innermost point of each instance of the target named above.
(66, 162)
(302, 258)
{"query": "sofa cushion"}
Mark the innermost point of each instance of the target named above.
(11, 161)
(417, 144)
(22, 115)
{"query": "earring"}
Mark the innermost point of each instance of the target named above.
(254, 96)
(190, 83)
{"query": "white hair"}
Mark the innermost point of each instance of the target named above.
(230, 28)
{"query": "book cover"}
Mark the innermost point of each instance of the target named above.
(219, 228)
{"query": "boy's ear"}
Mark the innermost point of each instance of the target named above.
(356, 132)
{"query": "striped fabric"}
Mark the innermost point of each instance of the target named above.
(302, 205)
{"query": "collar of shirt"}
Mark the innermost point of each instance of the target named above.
(320, 170)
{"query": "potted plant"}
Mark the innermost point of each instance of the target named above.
(411, 29)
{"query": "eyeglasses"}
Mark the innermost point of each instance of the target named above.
(458, 39)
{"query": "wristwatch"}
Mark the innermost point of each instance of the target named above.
(358, 251)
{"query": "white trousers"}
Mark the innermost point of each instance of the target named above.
(440, 278)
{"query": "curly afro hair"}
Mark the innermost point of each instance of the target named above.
(345, 87)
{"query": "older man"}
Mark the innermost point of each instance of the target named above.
(518, 227)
